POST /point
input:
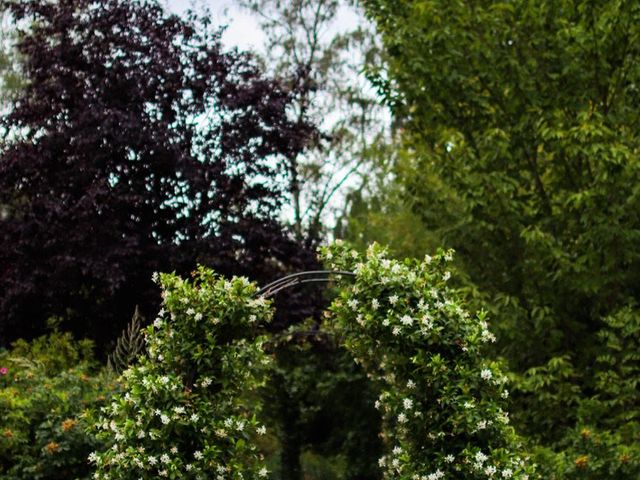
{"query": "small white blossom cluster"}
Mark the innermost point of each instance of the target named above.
(403, 321)
(158, 427)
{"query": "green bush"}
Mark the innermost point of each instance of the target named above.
(46, 387)
(187, 407)
(601, 439)
(442, 400)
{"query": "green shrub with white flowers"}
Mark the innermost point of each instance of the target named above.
(187, 410)
(184, 411)
(442, 402)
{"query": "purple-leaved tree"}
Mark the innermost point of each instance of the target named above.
(136, 145)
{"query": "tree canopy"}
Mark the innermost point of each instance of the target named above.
(519, 123)
(136, 145)
(518, 147)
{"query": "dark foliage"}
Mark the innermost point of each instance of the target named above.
(137, 145)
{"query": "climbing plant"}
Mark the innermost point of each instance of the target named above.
(442, 402)
(183, 412)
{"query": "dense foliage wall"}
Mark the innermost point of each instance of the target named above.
(518, 146)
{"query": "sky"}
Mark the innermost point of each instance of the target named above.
(243, 30)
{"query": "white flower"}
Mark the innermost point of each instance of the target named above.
(206, 381)
(408, 404)
(194, 417)
(482, 424)
(252, 318)
(382, 461)
(446, 276)
(164, 419)
(396, 330)
(178, 410)
(406, 320)
(261, 430)
(155, 277)
(402, 418)
(353, 303)
(504, 394)
(375, 304)
(164, 380)
(198, 316)
(188, 467)
(395, 463)
(393, 299)
(157, 322)
(449, 458)
(93, 457)
(377, 404)
(174, 450)
(397, 450)
(152, 460)
(165, 458)
(481, 457)
(427, 259)
(197, 455)
(486, 374)
(191, 311)
(162, 473)
(490, 470)
(411, 384)
(507, 473)
(385, 322)
(437, 475)
(263, 472)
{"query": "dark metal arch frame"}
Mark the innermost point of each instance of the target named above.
(294, 279)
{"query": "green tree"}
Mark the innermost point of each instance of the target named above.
(522, 116)
(309, 41)
(10, 80)
(519, 148)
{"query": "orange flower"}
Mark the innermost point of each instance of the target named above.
(68, 424)
(625, 458)
(52, 447)
(582, 461)
(8, 433)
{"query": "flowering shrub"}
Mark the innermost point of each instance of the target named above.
(442, 402)
(184, 411)
(46, 387)
(184, 408)
(600, 441)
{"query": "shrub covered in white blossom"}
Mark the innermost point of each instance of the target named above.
(442, 402)
(183, 411)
